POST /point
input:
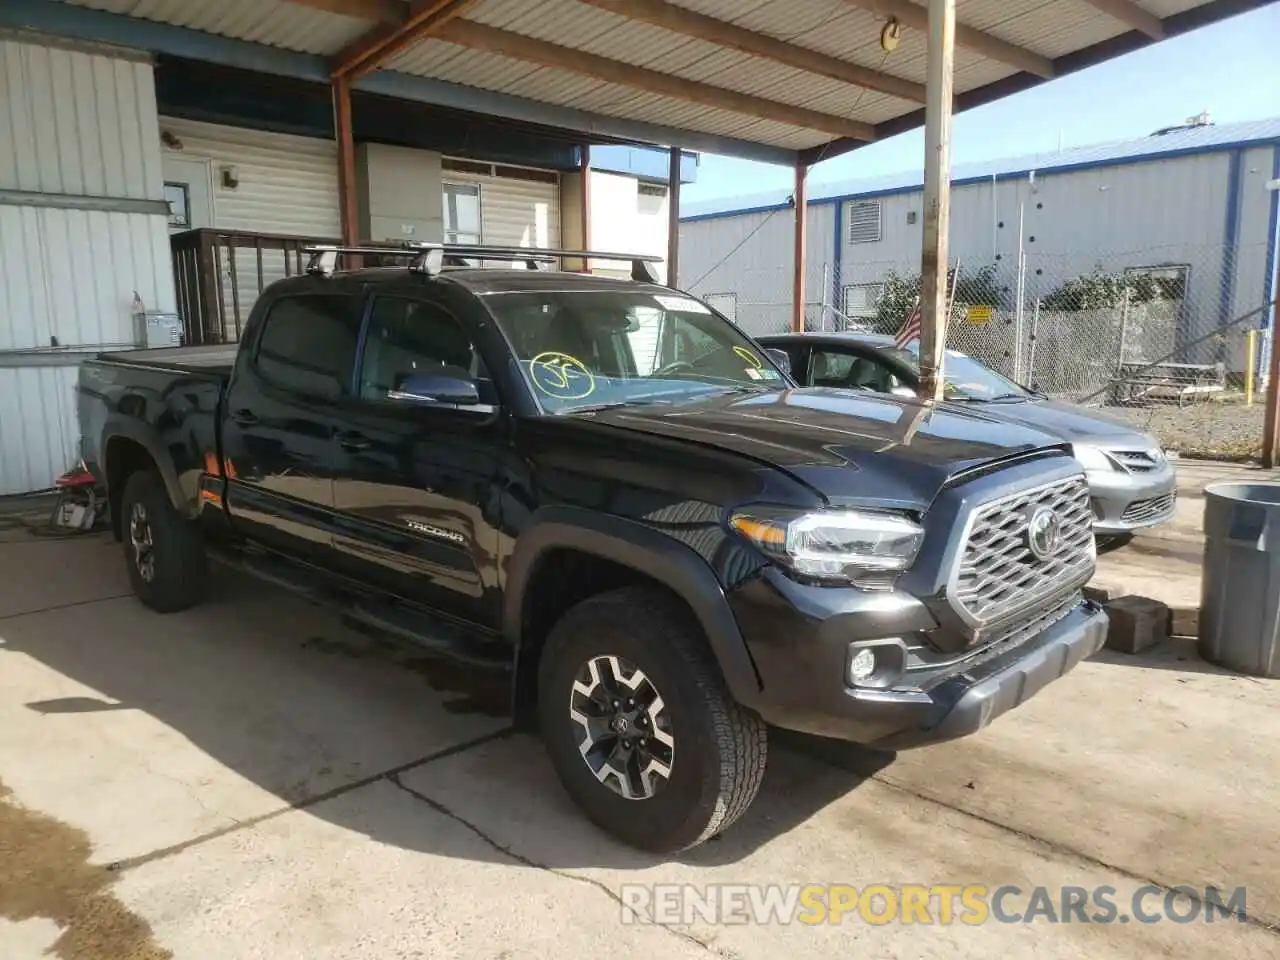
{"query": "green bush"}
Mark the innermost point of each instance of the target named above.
(1105, 290)
(901, 290)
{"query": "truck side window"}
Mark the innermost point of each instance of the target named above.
(408, 336)
(308, 344)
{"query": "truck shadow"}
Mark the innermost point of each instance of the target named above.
(284, 695)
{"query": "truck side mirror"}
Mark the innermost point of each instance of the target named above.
(445, 388)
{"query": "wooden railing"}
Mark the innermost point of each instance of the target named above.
(219, 274)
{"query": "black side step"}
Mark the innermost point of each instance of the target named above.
(437, 635)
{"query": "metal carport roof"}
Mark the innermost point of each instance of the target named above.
(774, 80)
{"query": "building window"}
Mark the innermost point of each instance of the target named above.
(864, 221)
(861, 300)
(178, 196)
(462, 213)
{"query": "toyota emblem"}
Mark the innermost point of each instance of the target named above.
(1044, 533)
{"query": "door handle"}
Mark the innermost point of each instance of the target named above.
(351, 440)
(244, 417)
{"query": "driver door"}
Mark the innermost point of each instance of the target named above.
(413, 482)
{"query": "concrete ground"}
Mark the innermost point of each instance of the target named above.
(253, 779)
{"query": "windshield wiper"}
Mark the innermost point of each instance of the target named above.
(610, 405)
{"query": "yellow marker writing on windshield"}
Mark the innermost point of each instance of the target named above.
(750, 357)
(561, 376)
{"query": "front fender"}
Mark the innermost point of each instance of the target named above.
(646, 551)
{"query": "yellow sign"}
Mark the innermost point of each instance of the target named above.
(978, 313)
(561, 376)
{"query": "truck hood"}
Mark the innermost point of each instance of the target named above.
(851, 448)
(1069, 422)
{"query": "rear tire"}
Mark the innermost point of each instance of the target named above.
(713, 751)
(163, 550)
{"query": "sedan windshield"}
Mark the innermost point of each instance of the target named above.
(966, 378)
(592, 348)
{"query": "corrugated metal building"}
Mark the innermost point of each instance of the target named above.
(82, 229)
(99, 169)
(1193, 201)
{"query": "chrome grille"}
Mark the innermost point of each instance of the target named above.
(998, 577)
(1145, 511)
(1135, 461)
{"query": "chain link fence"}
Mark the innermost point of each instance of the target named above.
(1171, 340)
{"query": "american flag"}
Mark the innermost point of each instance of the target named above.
(910, 328)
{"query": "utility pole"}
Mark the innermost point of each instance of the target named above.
(937, 195)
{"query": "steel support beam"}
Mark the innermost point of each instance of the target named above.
(673, 219)
(937, 196)
(348, 209)
(800, 247)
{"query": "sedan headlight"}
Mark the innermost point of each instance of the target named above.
(1091, 458)
(834, 545)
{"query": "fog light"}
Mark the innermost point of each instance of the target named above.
(862, 665)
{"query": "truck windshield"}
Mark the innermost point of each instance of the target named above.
(590, 348)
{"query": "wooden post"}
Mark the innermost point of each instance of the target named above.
(673, 219)
(347, 207)
(1272, 420)
(937, 195)
(586, 204)
(801, 246)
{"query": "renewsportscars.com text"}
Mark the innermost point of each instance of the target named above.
(926, 904)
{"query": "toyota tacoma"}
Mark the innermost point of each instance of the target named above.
(606, 488)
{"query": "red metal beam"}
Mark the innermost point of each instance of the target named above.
(346, 159)
(421, 19)
(801, 247)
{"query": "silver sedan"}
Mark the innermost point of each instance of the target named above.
(1131, 480)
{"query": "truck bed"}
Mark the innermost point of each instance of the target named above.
(215, 358)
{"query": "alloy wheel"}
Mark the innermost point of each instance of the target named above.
(626, 739)
(144, 554)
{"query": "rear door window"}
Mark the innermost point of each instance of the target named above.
(308, 344)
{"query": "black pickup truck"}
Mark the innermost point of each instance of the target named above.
(607, 488)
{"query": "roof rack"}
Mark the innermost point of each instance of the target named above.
(431, 258)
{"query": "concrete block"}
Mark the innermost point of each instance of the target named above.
(1137, 623)
(1102, 592)
(1184, 621)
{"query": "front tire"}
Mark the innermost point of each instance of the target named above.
(640, 726)
(163, 550)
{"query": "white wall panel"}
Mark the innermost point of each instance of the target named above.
(38, 430)
(76, 122)
(73, 123)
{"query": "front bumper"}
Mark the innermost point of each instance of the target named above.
(799, 638)
(1123, 502)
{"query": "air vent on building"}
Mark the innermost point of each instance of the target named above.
(651, 189)
(864, 221)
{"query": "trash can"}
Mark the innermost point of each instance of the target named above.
(1240, 584)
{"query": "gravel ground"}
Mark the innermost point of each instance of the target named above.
(1229, 430)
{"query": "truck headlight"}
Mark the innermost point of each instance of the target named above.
(1091, 458)
(837, 545)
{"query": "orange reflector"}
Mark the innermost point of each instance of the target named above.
(211, 464)
(208, 496)
(760, 531)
